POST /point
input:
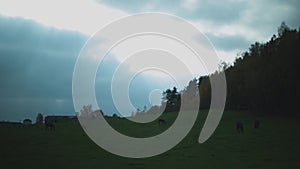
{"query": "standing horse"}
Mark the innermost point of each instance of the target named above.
(256, 124)
(239, 127)
(162, 121)
(49, 123)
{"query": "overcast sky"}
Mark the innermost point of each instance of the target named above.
(40, 42)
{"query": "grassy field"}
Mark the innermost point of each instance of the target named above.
(276, 144)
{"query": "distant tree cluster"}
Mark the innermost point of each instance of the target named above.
(39, 119)
(171, 100)
(88, 112)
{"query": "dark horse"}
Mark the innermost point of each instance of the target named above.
(49, 123)
(256, 124)
(161, 121)
(239, 127)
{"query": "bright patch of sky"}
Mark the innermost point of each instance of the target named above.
(86, 16)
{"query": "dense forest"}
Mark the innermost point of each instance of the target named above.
(263, 79)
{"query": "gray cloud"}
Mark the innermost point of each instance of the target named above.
(228, 43)
(262, 17)
(224, 11)
(36, 67)
(265, 16)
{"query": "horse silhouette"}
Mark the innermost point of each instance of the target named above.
(240, 127)
(162, 121)
(49, 123)
(256, 124)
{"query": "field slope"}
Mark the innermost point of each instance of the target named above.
(276, 144)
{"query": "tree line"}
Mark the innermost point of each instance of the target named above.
(263, 79)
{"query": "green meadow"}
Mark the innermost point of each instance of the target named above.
(276, 144)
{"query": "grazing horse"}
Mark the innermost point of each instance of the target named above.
(239, 127)
(50, 126)
(49, 123)
(161, 121)
(256, 124)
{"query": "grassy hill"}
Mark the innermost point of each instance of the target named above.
(276, 144)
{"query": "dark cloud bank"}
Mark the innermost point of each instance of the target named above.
(36, 69)
(261, 16)
(36, 66)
